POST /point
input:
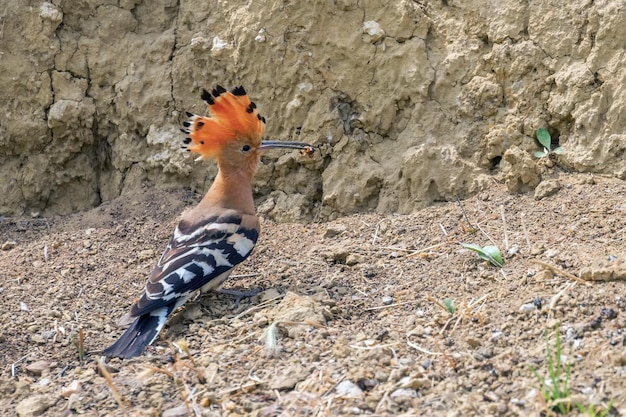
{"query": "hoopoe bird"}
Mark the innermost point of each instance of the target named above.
(221, 231)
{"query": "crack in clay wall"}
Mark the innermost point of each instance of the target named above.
(410, 102)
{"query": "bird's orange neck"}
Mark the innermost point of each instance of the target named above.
(231, 189)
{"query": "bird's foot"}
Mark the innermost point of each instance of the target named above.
(240, 295)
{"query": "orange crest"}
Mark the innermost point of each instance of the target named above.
(231, 116)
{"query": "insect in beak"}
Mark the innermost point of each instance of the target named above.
(304, 148)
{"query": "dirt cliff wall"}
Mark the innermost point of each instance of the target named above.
(409, 101)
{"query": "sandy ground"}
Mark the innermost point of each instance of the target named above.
(352, 319)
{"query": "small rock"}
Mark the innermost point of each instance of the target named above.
(38, 368)
(496, 335)
(608, 313)
(284, 382)
(373, 31)
(414, 382)
(354, 258)
(268, 294)
(33, 406)
(266, 207)
(403, 394)
(8, 245)
(503, 368)
(491, 396)
(387, 300)
(527, 308)
(180, 411)
(544, 275)
(349, 389)
(512, 251)
(603, 270)
(551, 253)
(334, 230)
(72, 388)
(537, 250)
(547, 188)
(340, 348)
(23, 306)
(484, 352)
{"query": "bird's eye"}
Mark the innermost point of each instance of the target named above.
(246, 148)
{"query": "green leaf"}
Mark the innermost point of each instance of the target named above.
(540, 154)
(543, 136)
(494, 255)
(489, 253)
(449, 305)
(559, 151)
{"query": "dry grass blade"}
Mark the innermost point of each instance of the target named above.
(388, 345)
(420, 349)
(81, 345)
(257, 307)
(506, 234)
(388, 306)
(17, 362)
(472, 228)
(160, 370)
(434, 300)
(189, 399)
(426, 249)
(451, 361)
(555, 299)
(559, 271)
(119, 398)
(244, 387)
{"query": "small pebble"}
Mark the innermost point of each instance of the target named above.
(513, 250)
(387, 300)
(403, 394)
(349, 389)
(527, 308)
(8, 245)
(179, 411)
(551, 253)
(354, 258)
(38, 367)
(334, 230)
(72, 388)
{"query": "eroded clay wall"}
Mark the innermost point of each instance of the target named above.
(409, 101)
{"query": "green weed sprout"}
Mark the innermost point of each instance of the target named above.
(544, 138)
(489, 253)
(555, 389)
(592, 411)
(449, 304)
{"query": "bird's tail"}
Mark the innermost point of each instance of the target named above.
(140, 334)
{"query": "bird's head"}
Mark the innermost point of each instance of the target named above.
(232, 132)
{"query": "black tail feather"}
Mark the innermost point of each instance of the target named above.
(140, 334)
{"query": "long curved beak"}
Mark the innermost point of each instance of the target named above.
(304, 148)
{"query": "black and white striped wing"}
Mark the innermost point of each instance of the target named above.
(198, 255)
